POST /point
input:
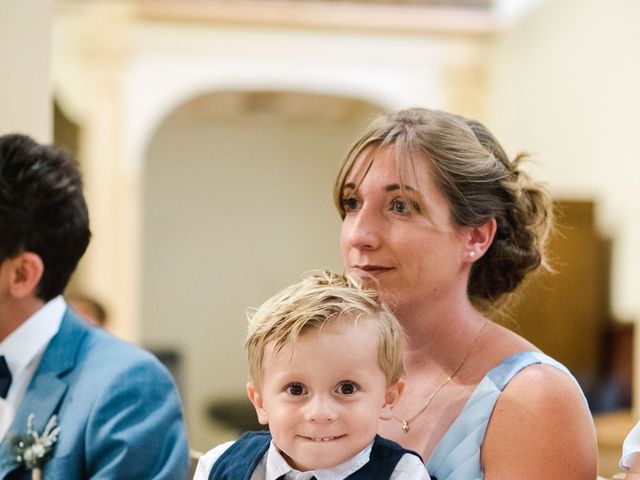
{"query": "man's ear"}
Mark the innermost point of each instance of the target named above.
(391, 397)
(258, 403)
(479, 239)
(27, 270)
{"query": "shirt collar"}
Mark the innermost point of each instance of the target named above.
(277, 466)
(31, 338)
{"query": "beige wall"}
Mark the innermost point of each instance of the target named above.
(25, 93)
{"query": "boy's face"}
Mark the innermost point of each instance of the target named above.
(323, 398)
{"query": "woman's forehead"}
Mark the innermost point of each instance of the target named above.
(407, 170)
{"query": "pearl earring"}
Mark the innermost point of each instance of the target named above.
(471, 254)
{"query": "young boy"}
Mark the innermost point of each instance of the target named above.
(325, 366)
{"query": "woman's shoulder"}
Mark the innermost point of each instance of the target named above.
(509, 358)
(542, 406)
(526, 376)
(540, 379)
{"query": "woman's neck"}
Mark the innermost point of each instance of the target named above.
(438, 334)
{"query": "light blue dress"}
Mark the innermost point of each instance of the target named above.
(457, 455)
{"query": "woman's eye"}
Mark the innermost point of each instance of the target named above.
(406, 206)
(399, 206)
(349, 204)
(347, 388)
(295, 389)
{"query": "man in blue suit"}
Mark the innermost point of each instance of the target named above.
(117, 408)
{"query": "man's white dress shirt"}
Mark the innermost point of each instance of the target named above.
(23, 350)
(273, 465)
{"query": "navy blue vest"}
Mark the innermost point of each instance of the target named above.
(240, 460)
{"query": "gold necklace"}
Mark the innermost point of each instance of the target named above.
(406, 421)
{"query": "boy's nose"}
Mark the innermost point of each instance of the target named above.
(320, 409)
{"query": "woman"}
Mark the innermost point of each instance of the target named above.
(447, 226)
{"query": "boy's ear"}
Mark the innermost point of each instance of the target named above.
(479, 239)
(258, 403)
(392, 395)
(27, 271)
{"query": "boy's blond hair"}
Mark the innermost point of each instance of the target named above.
(321, 298)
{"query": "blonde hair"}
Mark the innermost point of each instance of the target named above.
(472, 171)
(317, 300)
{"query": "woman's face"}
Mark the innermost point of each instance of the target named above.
(406, 241)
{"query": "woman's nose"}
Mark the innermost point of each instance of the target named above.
(320, 409)
(362, 230)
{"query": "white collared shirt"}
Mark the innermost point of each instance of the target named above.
(630, 446)
(273, 465)
(23, 350)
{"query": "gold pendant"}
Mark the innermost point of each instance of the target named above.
(405, 426)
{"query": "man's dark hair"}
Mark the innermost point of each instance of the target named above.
(42, 209)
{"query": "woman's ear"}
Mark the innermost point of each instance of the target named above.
(27, 270)
(258, 403)
(479, 239)
(392, 395)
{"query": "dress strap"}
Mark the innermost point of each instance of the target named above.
(502, 374)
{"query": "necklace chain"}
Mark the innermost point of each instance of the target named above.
(404, 422)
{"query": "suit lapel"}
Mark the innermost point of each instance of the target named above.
(48, 385)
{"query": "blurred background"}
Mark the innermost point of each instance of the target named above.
(209, 133)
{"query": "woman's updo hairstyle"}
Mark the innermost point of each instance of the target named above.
(479, 182)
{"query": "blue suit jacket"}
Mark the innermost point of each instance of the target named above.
(118, 410)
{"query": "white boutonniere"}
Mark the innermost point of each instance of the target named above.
(31, 449)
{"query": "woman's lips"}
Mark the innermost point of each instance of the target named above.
(371, 269)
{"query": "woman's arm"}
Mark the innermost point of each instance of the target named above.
(540, 428)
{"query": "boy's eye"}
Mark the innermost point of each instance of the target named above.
(347, 388)
(295, 389)
(349, 204)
